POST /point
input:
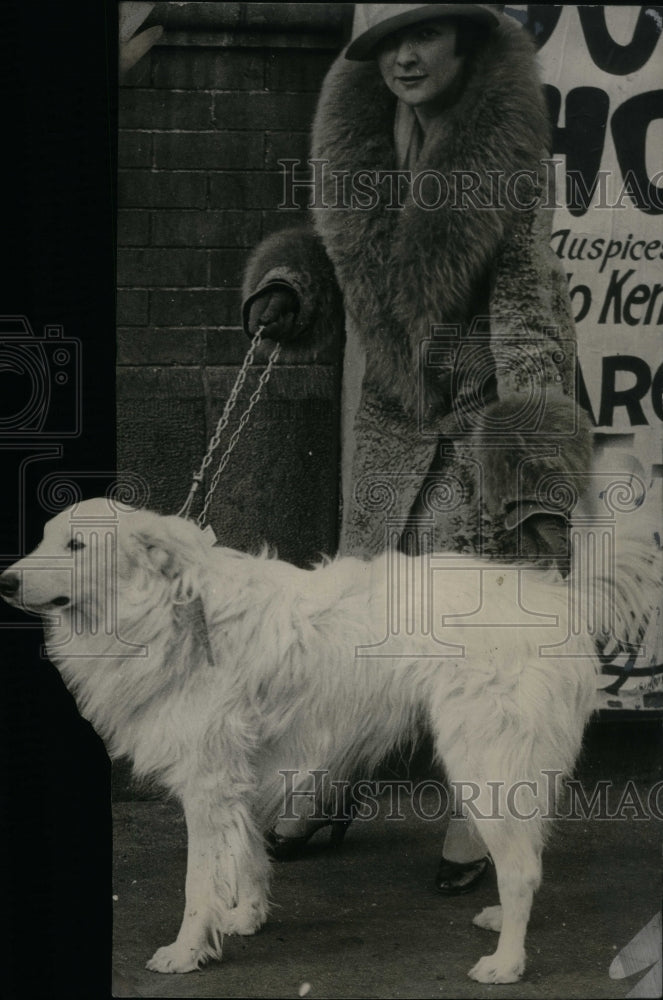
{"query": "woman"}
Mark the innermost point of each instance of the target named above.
(459, 423)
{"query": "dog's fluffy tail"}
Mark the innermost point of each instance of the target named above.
(616, 582)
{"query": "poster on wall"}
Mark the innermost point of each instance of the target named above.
(601, 67)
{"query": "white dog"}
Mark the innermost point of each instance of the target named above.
(214, 670)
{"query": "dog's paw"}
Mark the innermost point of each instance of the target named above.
(494, 969)
(175, 958)
(490, 918)
(246, 918)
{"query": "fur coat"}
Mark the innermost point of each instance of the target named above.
(459, 350)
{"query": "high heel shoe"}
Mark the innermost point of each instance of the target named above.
(456, 877)
(282, 848)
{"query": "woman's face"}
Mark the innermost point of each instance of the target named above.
(419, 63)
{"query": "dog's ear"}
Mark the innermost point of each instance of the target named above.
(159, 557)
(174, 549)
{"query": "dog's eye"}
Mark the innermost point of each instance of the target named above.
(75, 544)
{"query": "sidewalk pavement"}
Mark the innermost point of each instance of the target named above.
(365, 921)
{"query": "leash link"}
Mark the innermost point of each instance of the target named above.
(215, 440)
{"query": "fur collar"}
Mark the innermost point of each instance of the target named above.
(402, 270)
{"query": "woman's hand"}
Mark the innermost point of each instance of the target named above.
(276, 310)
(546, 537)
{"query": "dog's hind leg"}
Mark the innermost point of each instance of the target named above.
(226, 882)
(518, 865)
(490, 919)
(494, 770)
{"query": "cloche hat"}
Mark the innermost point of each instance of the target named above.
(374, 21)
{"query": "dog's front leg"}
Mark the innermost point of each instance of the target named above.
(226, 882)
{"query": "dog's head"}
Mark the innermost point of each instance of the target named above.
(98, 550)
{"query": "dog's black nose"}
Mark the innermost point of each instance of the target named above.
(9, 584)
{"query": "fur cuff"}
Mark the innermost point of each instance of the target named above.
(296, 258)
(545, 460)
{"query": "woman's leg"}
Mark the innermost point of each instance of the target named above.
(462, 842)
(464, 859)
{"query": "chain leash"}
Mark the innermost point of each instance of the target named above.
(222, 423)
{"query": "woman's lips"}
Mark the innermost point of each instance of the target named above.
(410, 80)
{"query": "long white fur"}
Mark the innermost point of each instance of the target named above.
(212, 670)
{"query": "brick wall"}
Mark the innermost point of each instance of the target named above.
(204, 118)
